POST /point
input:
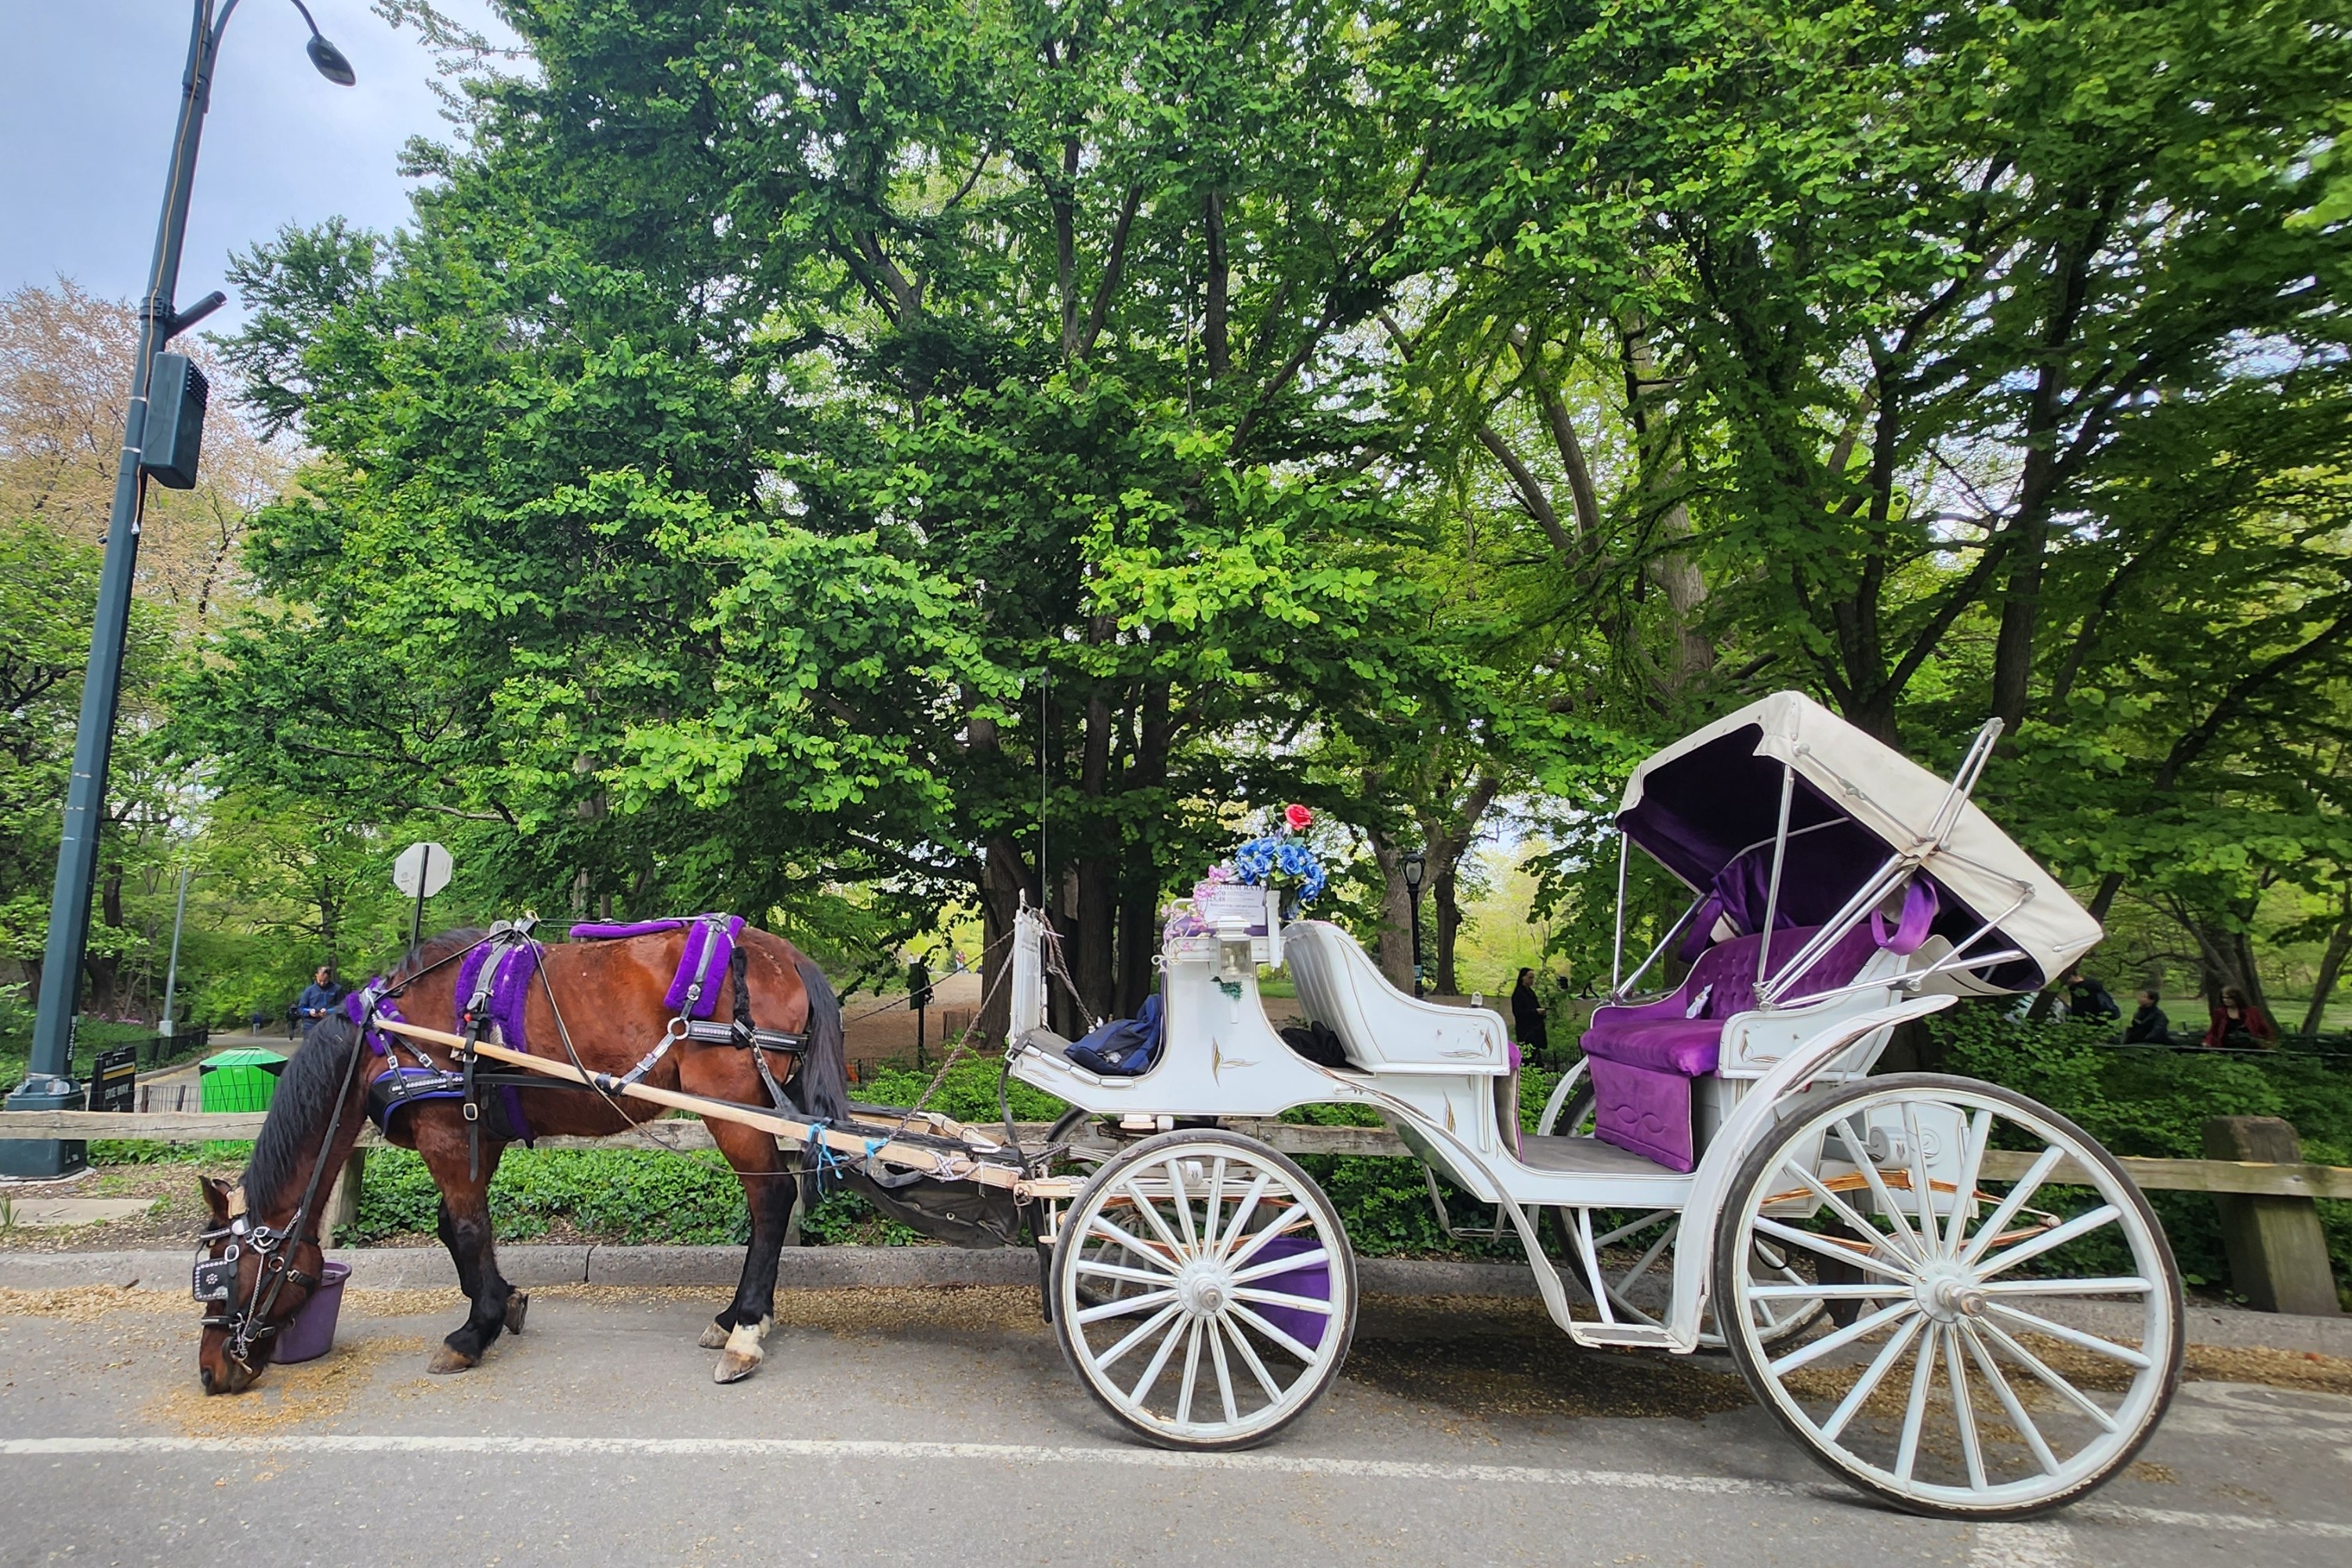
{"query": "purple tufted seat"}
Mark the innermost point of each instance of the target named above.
(1644, 1058)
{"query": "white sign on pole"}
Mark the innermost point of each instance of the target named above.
(422, 870)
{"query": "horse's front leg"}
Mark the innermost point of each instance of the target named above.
(769, 1186)
(465, 1226)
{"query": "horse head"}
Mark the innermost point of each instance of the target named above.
(259, 1258)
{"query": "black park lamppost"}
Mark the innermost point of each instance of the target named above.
(170, 389)
(1415, 864)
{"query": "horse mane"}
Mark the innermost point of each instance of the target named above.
(305, 1097)
(313, 1080)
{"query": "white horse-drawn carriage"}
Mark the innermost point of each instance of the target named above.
(1950, 1295)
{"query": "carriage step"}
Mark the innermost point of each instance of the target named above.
(1621, 1335)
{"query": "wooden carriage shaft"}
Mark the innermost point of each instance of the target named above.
(968, 1168)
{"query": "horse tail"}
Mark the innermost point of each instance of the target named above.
(821, 1089)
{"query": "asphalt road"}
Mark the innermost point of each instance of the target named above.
(939, 1426)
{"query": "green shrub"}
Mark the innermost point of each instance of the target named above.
(633, 1195)
(2155, 1103)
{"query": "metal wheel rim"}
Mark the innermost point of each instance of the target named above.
(1163, 1302)
(1945, 1298)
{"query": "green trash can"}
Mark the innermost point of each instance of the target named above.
(238, 1080)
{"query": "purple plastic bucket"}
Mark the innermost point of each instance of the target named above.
(1313, 1282)
(312, 1334)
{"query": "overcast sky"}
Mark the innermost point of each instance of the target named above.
(88, 89)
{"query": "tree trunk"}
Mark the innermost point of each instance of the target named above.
(1447, 907)
(1094, 918)
(2331, 969)
(1215, 336)
(1393, 947)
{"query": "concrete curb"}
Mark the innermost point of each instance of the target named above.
(841, 1267)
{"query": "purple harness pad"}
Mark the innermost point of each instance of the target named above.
(509, 989)
(596, 933)
(709, 949)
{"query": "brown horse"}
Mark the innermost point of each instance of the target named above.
(610, 998)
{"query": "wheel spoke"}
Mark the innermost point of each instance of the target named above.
(2117, 1286)
(1901, 1241)
(2072, 1336)
(1964, 1191)
(1860, 1328)
(1931, 1243)
(1143, 1249)
(1282, 1266)
(1191, 1374)
(1837, 1204)
(1243, 1210)
(2081, 1225)
(1225, 1372)
(1665, 1240)
(1828, 1247)
(1278, 1298)
(1964, 1415)
(1258, 1241)
(1158, 1360)
(1249, 1354)
(1915, 1413)
(2049, 1379)
(1124, 1306)
(1866, 1291)
(1113, 1356)
(1872, 1376)
(1216, 1200)
(2027, 1185)
(1150, 1211)
(2018, 1418)
(1639, 1225)
(1154, 1279)
(1271, 1332)
(1181, 1202)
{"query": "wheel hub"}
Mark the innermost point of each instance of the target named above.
(1949, 1292)
(1204, 1288)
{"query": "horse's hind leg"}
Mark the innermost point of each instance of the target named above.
(464, 1227)
(769, 1187)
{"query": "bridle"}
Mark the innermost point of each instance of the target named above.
(214, 1281)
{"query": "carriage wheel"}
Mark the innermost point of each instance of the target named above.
(1994, 1358)
(1204, 1289)
(1650, 1238)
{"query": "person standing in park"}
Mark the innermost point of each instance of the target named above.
(1528, 1017)
(2149, 1026)
(2239, 1024)
(318, 1001)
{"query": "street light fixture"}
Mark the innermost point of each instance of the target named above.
(1416, 864)
(48, 1084)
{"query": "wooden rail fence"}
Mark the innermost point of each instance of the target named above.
(2239, 1176)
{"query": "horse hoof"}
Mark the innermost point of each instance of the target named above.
(714, 1338)
(743, 1354)
(517, 1309)
(445, 1360)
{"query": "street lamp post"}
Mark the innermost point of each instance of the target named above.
(48, 1083)
(1415, 865)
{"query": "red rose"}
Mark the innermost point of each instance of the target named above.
(1297, 818)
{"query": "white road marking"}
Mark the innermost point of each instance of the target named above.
(2022, 1546)
(1136, 1458)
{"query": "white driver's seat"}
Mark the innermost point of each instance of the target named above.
(1382, 1028)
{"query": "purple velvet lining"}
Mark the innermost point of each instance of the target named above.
(1644, 1110)
(509, 989)
(593, 933)
(1313, 1282)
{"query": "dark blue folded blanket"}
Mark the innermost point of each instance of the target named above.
(1125, 1047)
